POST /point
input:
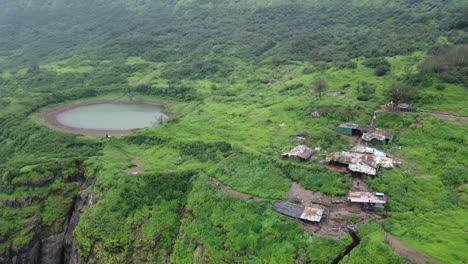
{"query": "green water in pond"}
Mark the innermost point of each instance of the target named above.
(112, 116)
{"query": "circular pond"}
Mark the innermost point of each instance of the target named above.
(101, 118)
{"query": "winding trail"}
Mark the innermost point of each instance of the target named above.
(233, 193)
(407, 251)
(459, 120)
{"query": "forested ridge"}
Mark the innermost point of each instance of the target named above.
(241, 81)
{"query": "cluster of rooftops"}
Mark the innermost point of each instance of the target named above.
(369, 200)
(359, 159)
(367, 132)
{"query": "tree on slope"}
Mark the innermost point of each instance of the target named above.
(320, 86)
(400, 92)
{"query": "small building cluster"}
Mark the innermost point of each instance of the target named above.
(366, 132)
(368, 199)
(361, 159)
(310, 214)
(301, 152)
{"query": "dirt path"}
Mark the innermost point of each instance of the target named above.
(308, 198)
(460, 120)
(358, 185)
(233, 193)
(407, 251)
(137, 165)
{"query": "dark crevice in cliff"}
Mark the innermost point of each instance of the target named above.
(70, 251)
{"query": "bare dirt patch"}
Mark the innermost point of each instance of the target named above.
(306, 197)
(460, 120)
(358, 184)
(339, 216)
(137, 165)
(50, 118)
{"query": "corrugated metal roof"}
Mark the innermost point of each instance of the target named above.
(403, 105)
(365, 197)
(288, 209)
(306, 213)
(372, 131)
(363, 128)
(371, 136)
(351, 158)
(363, 168)
(378, 134)
(386, 162)
(361, 159)
(301, 151)
(385, 133)
(341, 157)
(312, 214)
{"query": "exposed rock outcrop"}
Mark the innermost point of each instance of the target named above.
(24, 201)
(56, 248)
(70, 249)
(52, 249)
(35, 183)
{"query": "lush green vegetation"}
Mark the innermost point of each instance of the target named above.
(372, 248)
(238, 80)
(135, 210)
(219, 228)
(320, 179)
(428, 190)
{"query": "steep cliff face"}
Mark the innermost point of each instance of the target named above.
(70, 249)
(54, 247)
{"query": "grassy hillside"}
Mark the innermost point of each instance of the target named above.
(229, 75)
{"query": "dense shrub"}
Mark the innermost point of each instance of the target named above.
(455, 176)
(381, 65)
(400, 92)
(450, 63)
(292, 87)
(179, 92)
(340, 113)
(140, 139)
(365, 91)
(205, 151)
